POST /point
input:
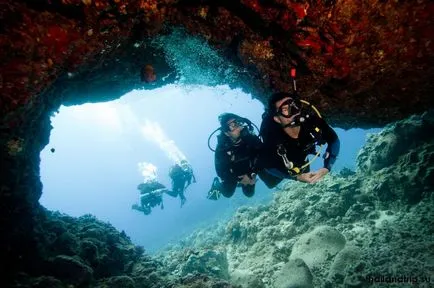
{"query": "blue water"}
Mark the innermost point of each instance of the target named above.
(94, 168)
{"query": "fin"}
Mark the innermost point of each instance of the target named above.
(214, 193)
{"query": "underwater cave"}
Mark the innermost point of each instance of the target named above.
(95, 150)
(365, 64)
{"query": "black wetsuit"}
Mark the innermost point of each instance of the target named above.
(151, 194)
(233, 160)
(181, 179)
(313, 131)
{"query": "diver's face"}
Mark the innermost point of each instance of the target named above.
(184, 166)
(284, 110)
(233, 129)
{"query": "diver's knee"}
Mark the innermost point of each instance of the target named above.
(269, 180)
(227, 188)
(249, 191)
(228, 194)
(249, 194)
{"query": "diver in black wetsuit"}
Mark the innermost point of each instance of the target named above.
(182, 175)
(235, 155)
(151, 195)
(291, 130)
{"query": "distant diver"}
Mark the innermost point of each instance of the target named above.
(151, 195)
(235, 156)
(291, 129)
(182, 176)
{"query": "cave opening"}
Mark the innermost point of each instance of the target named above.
(91, 164)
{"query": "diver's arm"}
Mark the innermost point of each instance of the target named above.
(333, 145)
(252, 140)
(221, 162)
(255, 147)
(136, 207)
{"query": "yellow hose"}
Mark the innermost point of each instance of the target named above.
(320, 147)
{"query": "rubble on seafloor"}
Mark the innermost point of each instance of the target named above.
(364, 228)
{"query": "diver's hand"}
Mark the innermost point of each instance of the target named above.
(246, 180)
(305, 177)
(318, 175)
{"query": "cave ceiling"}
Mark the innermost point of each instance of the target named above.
(364, 63)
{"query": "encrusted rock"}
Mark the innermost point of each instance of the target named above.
(116, 281)
(210, 262)
(318, 245)
(345, 258)
(295, 274)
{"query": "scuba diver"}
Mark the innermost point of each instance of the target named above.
(182, 176)
(235, 156)
(151, 195)
(291, 129)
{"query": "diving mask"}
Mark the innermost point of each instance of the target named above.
(233, 124)
(288, 108)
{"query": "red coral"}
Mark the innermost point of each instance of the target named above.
(310, 42)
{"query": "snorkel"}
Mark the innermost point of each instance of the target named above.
(293, 104)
